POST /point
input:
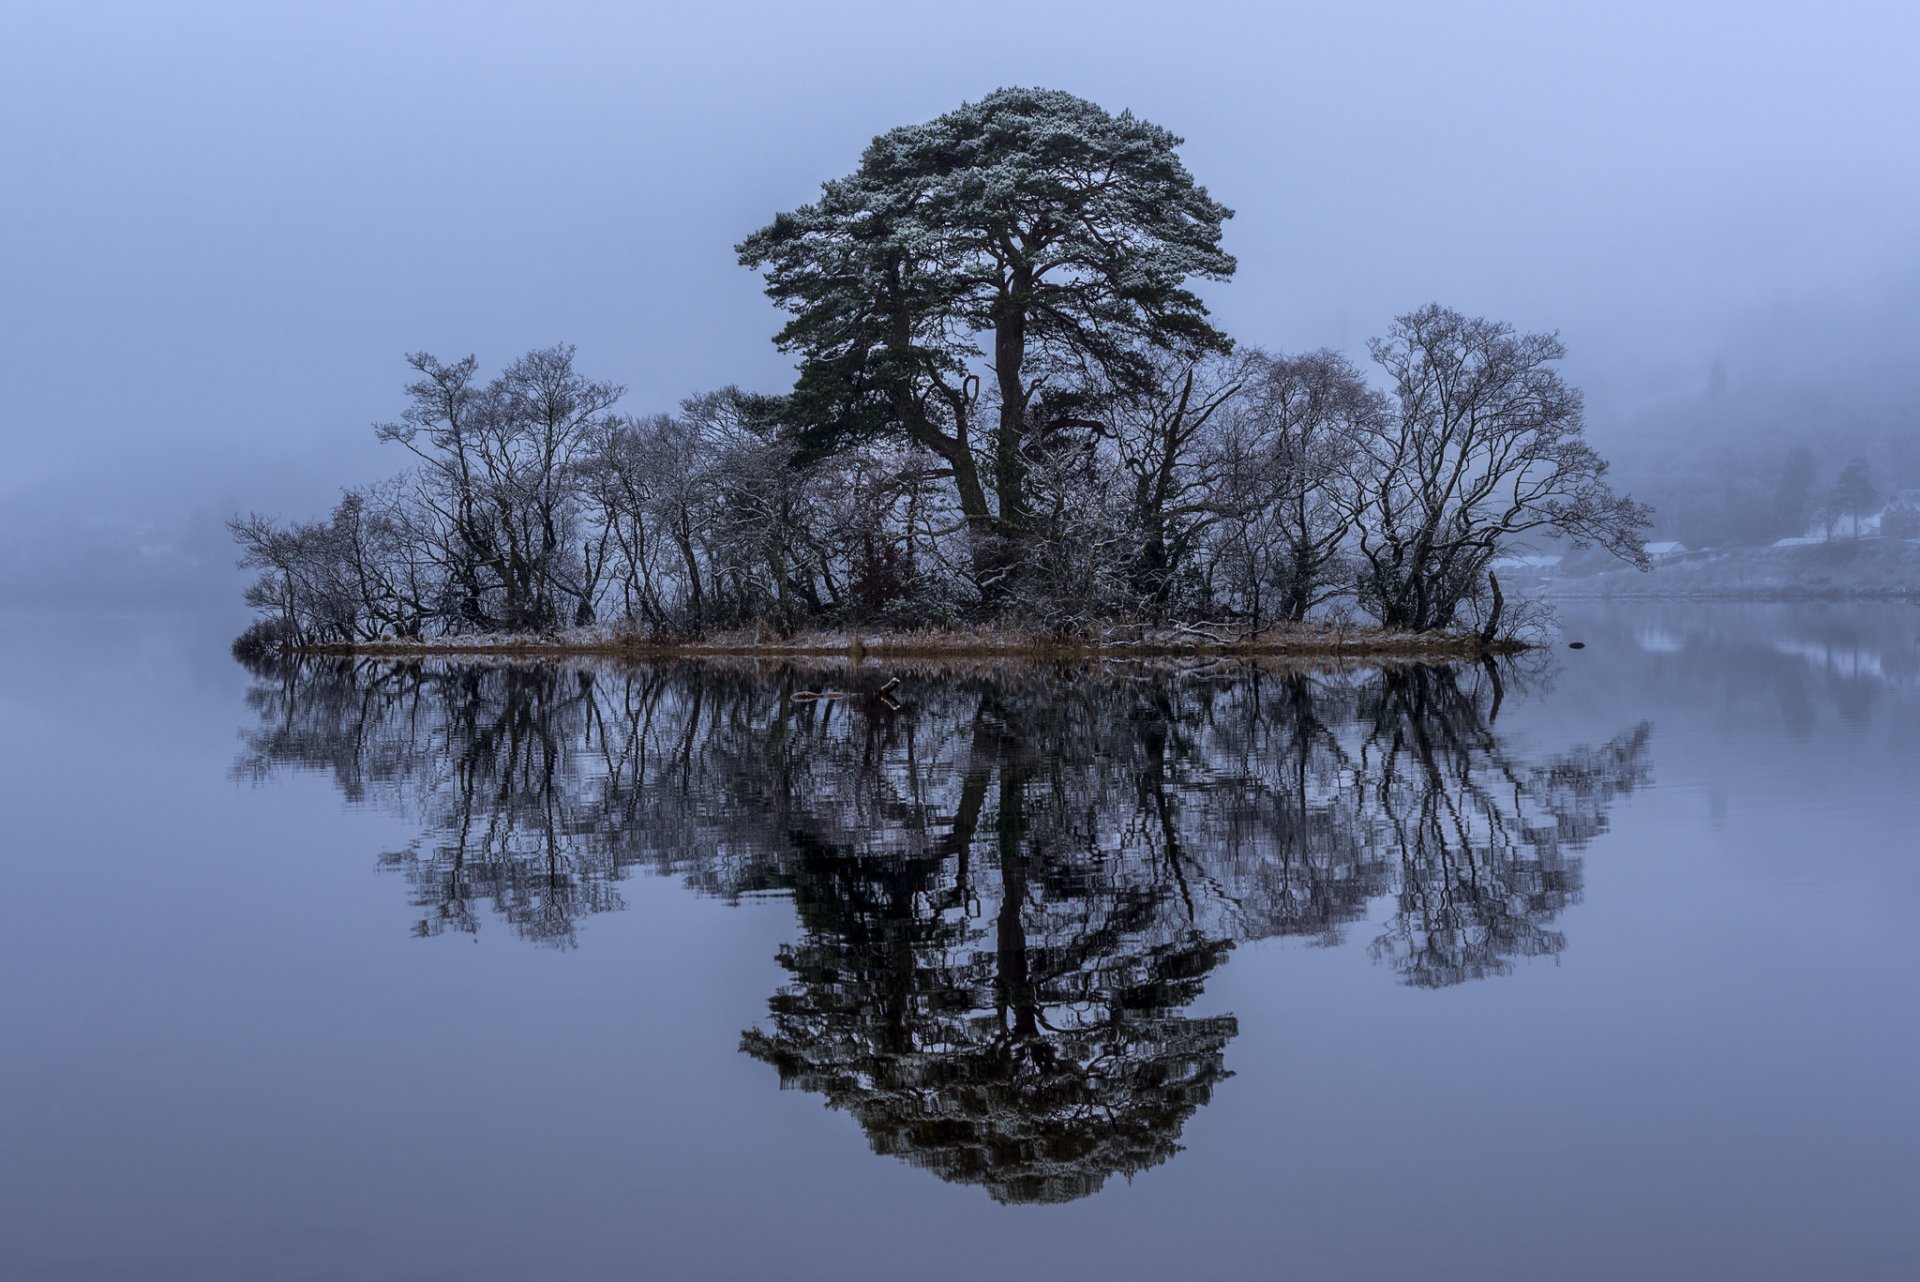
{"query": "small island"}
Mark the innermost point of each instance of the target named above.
(1014, 429)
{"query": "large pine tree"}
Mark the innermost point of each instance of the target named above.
(1031, 237)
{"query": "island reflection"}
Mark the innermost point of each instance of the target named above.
(1011, 886)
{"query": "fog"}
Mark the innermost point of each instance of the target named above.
(224, 225)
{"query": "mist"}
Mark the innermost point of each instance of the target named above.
(225, 225)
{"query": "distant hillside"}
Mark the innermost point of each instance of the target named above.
(1712, 465)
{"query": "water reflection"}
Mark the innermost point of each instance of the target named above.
(1010, 887)
(1855, 663)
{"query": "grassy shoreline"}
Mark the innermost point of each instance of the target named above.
(1304, 642)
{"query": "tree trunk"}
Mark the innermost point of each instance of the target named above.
(1491, 628)
(1009, 443)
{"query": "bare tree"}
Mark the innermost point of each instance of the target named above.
(622, 484)
(1164, 434)
(1227, 486)
(501, 478)
(1311, 410)
(1485, 448)
(762, 520)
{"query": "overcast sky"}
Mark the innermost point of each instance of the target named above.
(224, 224)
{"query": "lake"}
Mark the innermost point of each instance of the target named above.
(1599, 964)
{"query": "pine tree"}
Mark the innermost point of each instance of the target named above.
(1031, 234)
(1853, 493)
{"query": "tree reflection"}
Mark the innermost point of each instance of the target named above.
(1483, 841)
(1004, 1011)
(1011, 887)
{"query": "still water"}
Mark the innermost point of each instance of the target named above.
(1599, 966)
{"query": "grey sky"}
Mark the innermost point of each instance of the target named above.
(222, 225)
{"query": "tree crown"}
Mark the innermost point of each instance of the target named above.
(1068, 230)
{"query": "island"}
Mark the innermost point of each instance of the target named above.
(1014, 427)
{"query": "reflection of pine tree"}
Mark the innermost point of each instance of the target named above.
(1036, 1047)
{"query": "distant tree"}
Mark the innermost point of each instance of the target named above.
(1033, 231)
(1485, 447)
(1793, 498)
(1853, 493)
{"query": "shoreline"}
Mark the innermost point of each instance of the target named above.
(1868, 569)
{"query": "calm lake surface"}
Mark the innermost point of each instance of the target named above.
(1604, 968)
